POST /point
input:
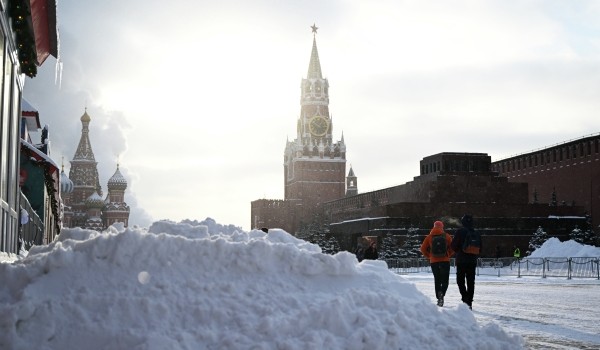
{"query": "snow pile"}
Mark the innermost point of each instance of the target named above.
(134, 289)
(553, 247)
(8, 257)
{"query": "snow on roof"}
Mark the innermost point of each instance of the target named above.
(31, 115)
(38, 153)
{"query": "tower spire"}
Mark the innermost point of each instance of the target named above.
(84, 149)
(84, 166)
(314, 67)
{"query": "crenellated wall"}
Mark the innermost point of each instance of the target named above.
(570, 171)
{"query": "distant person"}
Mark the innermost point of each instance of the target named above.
(360, 253)
(437, 248)
(517, 253)
(371, 252)
(466, 244)
(498, 253)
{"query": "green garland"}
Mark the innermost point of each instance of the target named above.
(19, 13)
(52, 193)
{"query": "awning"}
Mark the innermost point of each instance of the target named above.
(45, 31)
(31, 116)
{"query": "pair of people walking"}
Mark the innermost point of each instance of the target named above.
(439, 247)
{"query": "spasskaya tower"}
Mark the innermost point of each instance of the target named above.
(314, 164)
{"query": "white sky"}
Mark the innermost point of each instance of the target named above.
(197, 99)
(183, 287)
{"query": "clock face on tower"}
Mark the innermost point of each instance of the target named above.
(318, 126)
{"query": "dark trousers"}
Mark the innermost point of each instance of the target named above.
(441, 274)
(466, 272)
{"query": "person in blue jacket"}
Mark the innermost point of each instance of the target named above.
(466, 264)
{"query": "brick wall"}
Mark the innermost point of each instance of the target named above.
(571, 170)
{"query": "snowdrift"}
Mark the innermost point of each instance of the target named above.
(178, 286)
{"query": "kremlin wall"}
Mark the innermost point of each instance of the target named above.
(450, 185)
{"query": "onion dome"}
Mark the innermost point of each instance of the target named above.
(85, 117)
(66, 185)
(94, 201)
(117, 181)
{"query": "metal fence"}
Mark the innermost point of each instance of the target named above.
(567, 267)
(33, 231)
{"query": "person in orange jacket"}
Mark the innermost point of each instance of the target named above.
(436, 248)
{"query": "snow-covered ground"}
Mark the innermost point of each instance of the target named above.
(177, 286)
(549, 313)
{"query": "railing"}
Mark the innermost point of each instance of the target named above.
(409, 265)
(33, 231)
(413, 265)
(567, 267)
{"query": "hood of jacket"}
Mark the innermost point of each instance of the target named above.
(436, 231)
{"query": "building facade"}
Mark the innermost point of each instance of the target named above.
(449, 186)
(84, 206)
(28, 35)
(39, 181)
(565, 174)
(314, 163)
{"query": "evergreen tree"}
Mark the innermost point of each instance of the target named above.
(329, 244)
(319, 234)
(539, 237)
(412, 246)
(583, 236)
(389, 248)
(576, 235)
(595, 239)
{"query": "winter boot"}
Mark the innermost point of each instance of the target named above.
(440, 299)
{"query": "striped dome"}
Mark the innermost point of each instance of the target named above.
(117, 181)
(94, 201)
(66, 185)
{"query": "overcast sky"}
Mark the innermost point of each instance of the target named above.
(196, 100)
